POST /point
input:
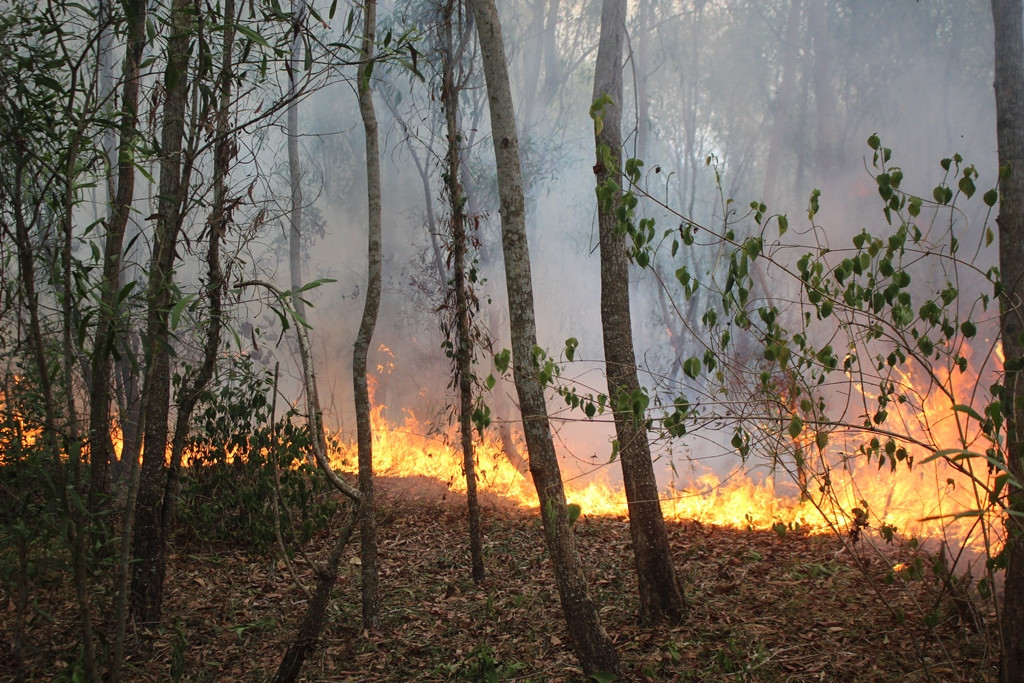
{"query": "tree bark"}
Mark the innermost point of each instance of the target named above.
(100, 446)
(661, 596)
(294, 173)
(313, 622)
(193, 385)
(464, 340)
(643, 65)
(364, 434)
(591, 643)
(149, 544)
(1009, 90)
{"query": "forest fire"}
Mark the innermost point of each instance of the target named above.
(933, 500)
(928, 500)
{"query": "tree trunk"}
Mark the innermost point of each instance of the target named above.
(294, 173)
(1009, 88)
(591, 643)
(463, 332)
(364, 435)
(643, 64)
(660, 594)
(783, 100)
(149, 544)
(826, 143)
(100, 445)
(552, 68)
(532, 59)
(193, 385)
(313, 622)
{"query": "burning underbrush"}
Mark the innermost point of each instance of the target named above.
(930, 503)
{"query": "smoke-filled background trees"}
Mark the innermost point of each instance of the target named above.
(806, 194)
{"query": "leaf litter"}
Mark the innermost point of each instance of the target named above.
(764, 607)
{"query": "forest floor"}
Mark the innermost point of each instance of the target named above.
(765, 607)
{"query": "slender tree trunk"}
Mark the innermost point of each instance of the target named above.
(149, 545)
(783, 100)
(661, 596)
(532, 60)
(313, 622)
(552, 69)
(80, 530)
(1009, 88)
(464, 340)
(641, 67)
(827, 146)
(51, 427)
(364, 435)
(428, 195)
(100, 445)
(216, 226)
(294, 172)
(591, 643)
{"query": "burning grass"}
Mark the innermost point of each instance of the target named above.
(766, 607)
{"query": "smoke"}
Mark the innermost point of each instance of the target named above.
(715, 77)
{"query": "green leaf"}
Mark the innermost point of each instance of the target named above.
(991, 197)
(597, 112)
(961, 408)
(314, 284)
(796, 425)
(502, 360)
(549, 510)
(252, 35)
(570, 348)
(574, 512)
(914, 206)
(179, 308)
(124, 292)
(813, 205)
(966, 186)
(48, 82)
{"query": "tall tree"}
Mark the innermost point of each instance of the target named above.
(463, 296)
(591, 643)
(1009, 87)
(784, 98)
(299, 12)
(660, 593)
(364, 434)
(100, 446)
(149, 544)
(642, 57)
(826, 140)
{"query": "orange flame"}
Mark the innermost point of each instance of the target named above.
(926, 500)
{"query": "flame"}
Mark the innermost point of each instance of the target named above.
(843, 494)
(931, 500)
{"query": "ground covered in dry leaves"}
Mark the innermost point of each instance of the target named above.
(765, 607)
